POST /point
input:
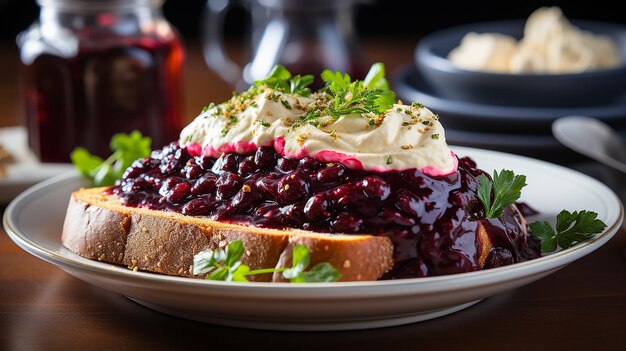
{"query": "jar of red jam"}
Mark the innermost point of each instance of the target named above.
(95, 68)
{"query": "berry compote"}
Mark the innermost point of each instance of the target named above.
(432, 221)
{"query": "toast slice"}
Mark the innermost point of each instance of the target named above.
(98, 227)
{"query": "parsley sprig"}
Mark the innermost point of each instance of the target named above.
(126, 149)
(281, 79)
(571, 229)
(226, 265)
(506, 187)
(371, 95)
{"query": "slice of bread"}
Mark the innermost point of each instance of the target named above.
(98, 227)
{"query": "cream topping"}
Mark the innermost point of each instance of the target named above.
(404, 137)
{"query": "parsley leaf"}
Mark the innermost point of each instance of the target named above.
(320, 273)
(371, 95)
(277, 79)
(222, 264)
(234, 253)
(375, 78)
(84, 161)
(335, 81)
(571, 229)
(299, 85)
(281, 79)
(299, 261)
(226, 265)
(126, 149)
(507, 188)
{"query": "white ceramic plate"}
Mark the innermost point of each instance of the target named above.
(35, 218)
(26, 170)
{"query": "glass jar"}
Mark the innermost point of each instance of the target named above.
(305, 36)
(96, 68)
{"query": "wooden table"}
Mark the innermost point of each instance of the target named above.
(581, 307)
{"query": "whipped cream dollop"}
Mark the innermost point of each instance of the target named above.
(551, 44)
(404, 137)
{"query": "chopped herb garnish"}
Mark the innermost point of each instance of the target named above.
(273, 96)
(435, 136)
(312, 115)
(371, 95)
(280, 79)
(333, 134)
(389, 160)
(286, 104)
(264, 123)
(225, 131)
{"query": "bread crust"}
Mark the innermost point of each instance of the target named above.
(98, 227)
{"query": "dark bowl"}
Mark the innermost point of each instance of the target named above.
(529, 89)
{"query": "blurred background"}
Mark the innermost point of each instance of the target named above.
(377, 19)
(385, 31)
(380, 25)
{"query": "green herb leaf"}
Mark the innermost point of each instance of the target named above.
(507, 188)
(299, 262)
(238, 274)
(203, 262)
(126, 149)
(347, 97)
(321, 272)
(546, 233)
(375, 78)
(233, 253)
(220, 273)
(222, 264)
(225, 265)
(571, 229)
(277, 79)
(335, 81)
(484, 192)
(85, 162)
(281, 79)
(299, 85)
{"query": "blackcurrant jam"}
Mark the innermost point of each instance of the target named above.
(432, 221)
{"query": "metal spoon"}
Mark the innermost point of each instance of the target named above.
(593, 138)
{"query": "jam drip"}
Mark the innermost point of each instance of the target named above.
(432, 221)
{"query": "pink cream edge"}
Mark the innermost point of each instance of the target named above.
(350, 161)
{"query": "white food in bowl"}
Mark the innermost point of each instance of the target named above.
(551, 44)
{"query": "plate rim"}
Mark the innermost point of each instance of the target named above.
(454, 281)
